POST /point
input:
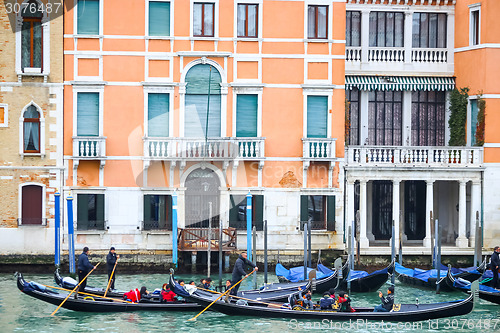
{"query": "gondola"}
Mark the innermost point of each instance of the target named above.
(324, 281)
(273, 292)
(485, 292)
(428, 278)
(70, 283)
(400, 312)
(363, 282)
(96, 304)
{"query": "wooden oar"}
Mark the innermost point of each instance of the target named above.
(111, 277)
(87, 294)
(72, 291)
(205, 309)
(243, 298)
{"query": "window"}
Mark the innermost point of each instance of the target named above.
(429, 30)
(317, 116)
(157, 212)
(87, 114)
(385, 118)
(88, 17)
(238, 212)
(386, 29)
(475, 27)
(158, 114)
(353, 28)
(246, 115)
(90, 212)
(4, 115)
(317, 19)
(203, 92)
(32, 205)
(247, 20)
(382, 209)
(428, 118)
(320, 209)
(31, 130)
(31, 36)
(352, 97)
(159, 18)
(474, 110)
(203, 19)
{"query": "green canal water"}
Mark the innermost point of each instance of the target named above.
(21, 313)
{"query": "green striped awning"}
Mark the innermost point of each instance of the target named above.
(411, 83)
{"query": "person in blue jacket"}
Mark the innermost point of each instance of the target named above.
(84, 268)
(239, 271)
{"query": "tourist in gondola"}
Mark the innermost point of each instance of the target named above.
(387, 302)
(202, 283)
(495, 265)
(167, 295)
(145, 295)
(84, 268)
(239, 271)
(192, 283)
(326, 302)
(306, 298)
(110, 263)
(228, 284)
(208, 284)
(345, 302)
(132, 296)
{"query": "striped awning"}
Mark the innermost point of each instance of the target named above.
(411, 83)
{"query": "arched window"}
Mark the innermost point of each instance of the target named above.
(32, 205)
(31, 130)
(31, 35)
(203, 92)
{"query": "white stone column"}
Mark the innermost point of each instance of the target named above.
(396, 207)
(363, 118)
(462, 218)
(475, 206)
(408, 40)
(350, 204)
(365, 35)
(429, 207)
(363, 241)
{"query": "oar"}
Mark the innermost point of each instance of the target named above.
(243, 298)
(111, 277)
(72, 291)
(205, 309)
(82, 293)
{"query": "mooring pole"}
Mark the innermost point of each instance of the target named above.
(57, 229)
(393, 250)
(209, 237)
(400, 252)
(349, 249)
(254, 232)
(477, 246)
(309, 242)
(220, 253)
(305, 250)
(265, 251)
(249, 226)
(438, 255)
(174, 229)
(71, 236)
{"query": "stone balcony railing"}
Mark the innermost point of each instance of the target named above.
(318, 149)
(386, 54)
(431, 55)
(397, 54)
(221, 149)
(89, 147)
(389, 156)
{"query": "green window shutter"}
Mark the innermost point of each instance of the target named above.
(258, 212)
(197, 79)
(304, 212)
(235, 204)
(87, 114)
(100, 211)
(317, 116)
(147, 211)
(159, 18)
(246, 115)
(169, 210)
(196, 116)
(88, 17)
(474, 110)
(158, 114)
(330, 213)
(82, 214)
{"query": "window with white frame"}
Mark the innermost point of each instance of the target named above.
(317, 22)
(87, 114)
(385, 110)
(317, 116)
(475, 25)
(31, 130)
(386, 29)
(428, 119)
(474, 110)
(248, 18)
(159, 18)
(353, 28)
(88, 17)
(90, 211)
(353, 101)
(32, 203)
(157, 212)
(246, 115)
(31, 36)
(429, 30)
(203, 19)
(158, 114)
(4, 115)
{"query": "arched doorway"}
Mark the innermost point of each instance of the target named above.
(202, 190)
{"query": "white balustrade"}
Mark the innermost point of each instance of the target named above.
(429, 55)
(318, 149)
(417, 156)
(89, 146)
(386, 54)
(353, 53)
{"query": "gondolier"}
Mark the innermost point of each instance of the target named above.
(84, 267)
(239, 270)
(110, 263)
(495, 264)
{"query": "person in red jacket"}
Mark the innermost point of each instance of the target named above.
(345, 303)
(132, 296)
(167, 295)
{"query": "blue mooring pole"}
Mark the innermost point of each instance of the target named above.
(174, 228)
(57, 229)
(249, 226)
(71, 236)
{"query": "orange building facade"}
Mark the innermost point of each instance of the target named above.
(139, 78)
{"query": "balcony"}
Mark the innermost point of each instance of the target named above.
(385, 156)
(89, 147)
(195, 149)
(318, 149)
